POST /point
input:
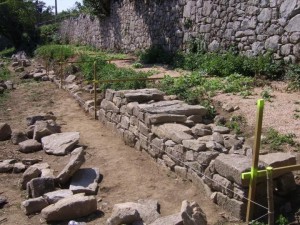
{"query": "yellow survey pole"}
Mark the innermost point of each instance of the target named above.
(256, 147)
(270, 195)
(95, 91)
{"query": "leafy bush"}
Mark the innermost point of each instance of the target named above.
(293, 77)
(48, 34)
(4, 74)
(107, 71)
(155, 54)
(7, 52)
(276, 140)
(54, 52)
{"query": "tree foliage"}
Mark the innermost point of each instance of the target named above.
(100, 8)
(19, 19)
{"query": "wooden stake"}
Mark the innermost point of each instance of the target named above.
(61, 75)
(95, 92)
(270, 195)
(256, 147)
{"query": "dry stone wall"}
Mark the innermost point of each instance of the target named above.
(254, 26)
(180, 139)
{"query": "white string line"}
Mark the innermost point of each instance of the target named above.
(198, 172)
(259, 218)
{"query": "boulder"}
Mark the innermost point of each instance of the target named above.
(85, 181)
(17, 137)
(5, 132)
(192, 214)
(174, 219)
(175, 132)
(29, 146)
(221, 129)
(70, 79)
(39, 186)
(194, 145)
(6, 167)
(76, 160)
(44, 128)
(9, 85)
(232, 166)
(34, 205)
(28, 175)
(70, 208)
(55, 196)
(129, 212)
(278, 159)
(61, 143)
(19, 167)
(201, 130)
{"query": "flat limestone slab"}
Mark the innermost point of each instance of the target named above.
(60, 143)
(173, 107)
(85, 181)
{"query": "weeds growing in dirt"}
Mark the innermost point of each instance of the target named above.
(276, 140)
(4, 73)
(236, 123)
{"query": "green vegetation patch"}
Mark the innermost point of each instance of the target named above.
(4, 74)
(54, 52)
(276, 140)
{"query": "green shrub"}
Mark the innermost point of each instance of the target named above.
(4, 74)
(48, 34)
(7, 52)
(54, 52)
(293, 77)
(276, 140)
(107, 71)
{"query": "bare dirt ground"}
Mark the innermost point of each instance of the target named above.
(128, 175)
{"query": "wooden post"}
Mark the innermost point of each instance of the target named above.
(256, 147)
(270, 195)
(95, 91)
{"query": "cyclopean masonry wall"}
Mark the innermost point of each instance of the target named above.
(178, 138)
(254, 26)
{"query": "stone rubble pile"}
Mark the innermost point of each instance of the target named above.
(181, 139)
(68, 195)
(147, 212)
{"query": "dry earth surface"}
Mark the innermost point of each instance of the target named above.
(128, 175)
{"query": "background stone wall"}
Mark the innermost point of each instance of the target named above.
(253, 26)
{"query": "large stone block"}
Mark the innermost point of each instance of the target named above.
(61, 143)
(44, 128)
(76, 160)
(39, 186)
(109, 106)
(232, 167)
(70, 208)
(194, 145)
(175, 132)
(85, 181)
(235, 207)
(5, 132)
(143, 95)
(164, 118)
(29, 146)
(34, 205)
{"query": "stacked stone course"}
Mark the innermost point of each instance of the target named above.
(254, 26)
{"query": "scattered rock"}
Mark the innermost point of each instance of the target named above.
(3, 201)
(55, 196)
(5, 167)
(32, 119)
(9, 85)
(30, 162)
(220, 120)
(5, 132)
(70, 208)
(34, 205)
(29, 146)
(17, 137)
(228, 108)
(29, 131)
(129, 212)
(192, 214)
(39, 186)
(19, 167)
(76, 160)
(61, 143)
(70, 79)
(174, 219)
(221, 129)
(28, 175)
(44, 128)
(201, 130)
(85, 181)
